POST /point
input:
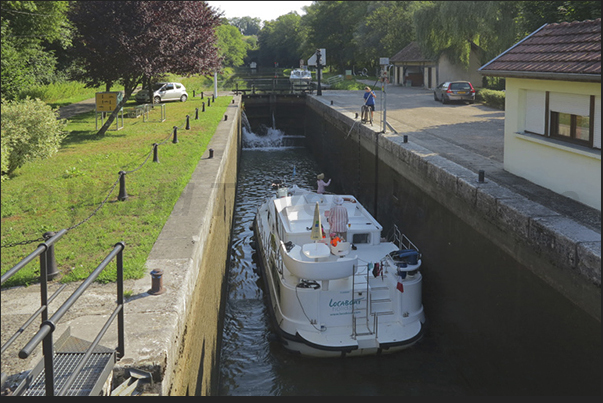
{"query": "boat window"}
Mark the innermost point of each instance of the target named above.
(361, 238)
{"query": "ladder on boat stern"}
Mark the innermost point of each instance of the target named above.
(375, 301)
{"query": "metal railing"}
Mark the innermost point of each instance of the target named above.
(274, 86)
(48, 326)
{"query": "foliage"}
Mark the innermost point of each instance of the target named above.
(280, 41)
(81, 175)
(30, 130)
(128, 41)
(27, 28)
(232, 46)
(247, 25)
(331, 25)
(383, 32)
(493, 98)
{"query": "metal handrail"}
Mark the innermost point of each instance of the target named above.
(48, 326)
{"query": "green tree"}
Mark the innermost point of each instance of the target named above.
(387, 28)
(231, 44)
(247, 25)
(30, 130)
(280, 41)
(331, 25)
(451, 27)
(27, 26)
(128, 41)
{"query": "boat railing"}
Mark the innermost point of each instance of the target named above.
(401, 240)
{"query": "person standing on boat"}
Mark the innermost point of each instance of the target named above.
(369, 100)
(338, 219)
(321, 183)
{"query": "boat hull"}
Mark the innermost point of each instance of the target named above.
(311, 332)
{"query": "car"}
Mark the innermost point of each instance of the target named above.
(163, 92)
(454, 91)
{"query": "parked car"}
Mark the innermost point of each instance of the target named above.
(454, 91)
(163, 92)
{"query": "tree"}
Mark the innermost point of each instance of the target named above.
(280, 41)
(30, 130)
(247, 25)
(231, 45)
(331, 25)
(387, 28)
(451, 27)
(26, 27)
(127, 41)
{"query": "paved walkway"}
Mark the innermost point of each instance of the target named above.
(469, 135)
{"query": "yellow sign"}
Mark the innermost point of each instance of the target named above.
(107, 101)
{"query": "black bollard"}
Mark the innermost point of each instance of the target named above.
(193, 93)
(155, 159)
(196, 113)
(175, 140)
(201, 94)
(208, 102)
(211, 153)
(213, 99)
(480, 176)
(225, 117)
(157, 282)
(405, 138)
(122, 186)
(188, 123)
(203, 104)
(51, 263)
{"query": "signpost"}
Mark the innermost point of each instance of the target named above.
(107, 102)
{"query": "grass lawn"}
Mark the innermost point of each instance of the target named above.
(64, 191)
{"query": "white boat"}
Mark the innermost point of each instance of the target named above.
(329, 298)
(299, 76)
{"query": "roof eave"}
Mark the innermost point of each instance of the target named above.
(543, 75)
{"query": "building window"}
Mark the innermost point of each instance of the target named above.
(571, 118)
(573, 128)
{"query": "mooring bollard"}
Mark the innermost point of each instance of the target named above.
(51, 263)
(155, 159)
(157, 282)
(188, 123)
(122, 186)
(175, 140)
(211, 153)
(480, 176)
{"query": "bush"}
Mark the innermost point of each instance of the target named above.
(493, 98)
(30, 130)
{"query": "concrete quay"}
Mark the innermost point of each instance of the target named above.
(175, 335)
(558, 238)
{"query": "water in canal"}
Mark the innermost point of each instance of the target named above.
(493, 327)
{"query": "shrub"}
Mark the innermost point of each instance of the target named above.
(30, 130)
(493, 98)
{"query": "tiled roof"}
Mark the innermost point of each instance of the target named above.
(560, 49)
(411, 53)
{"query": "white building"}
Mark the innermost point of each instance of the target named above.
(553, 108)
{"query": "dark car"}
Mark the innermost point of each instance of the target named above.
(454, 91)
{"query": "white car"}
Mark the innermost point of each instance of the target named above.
(163, 92)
